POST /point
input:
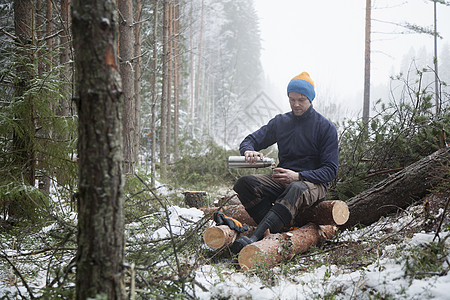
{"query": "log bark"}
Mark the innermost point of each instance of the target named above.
(219, 237)
(279, 247)
(195, 198)
(237, 212)
(399, 190)
(329, 212)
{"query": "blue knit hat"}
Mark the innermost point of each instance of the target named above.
(302, 84)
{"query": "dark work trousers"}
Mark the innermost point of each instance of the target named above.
(258, 194)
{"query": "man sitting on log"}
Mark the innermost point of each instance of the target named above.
(308, 160)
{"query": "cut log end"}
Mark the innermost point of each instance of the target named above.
(214, 237)
(340, 212)
(249, 256)
(217, 237)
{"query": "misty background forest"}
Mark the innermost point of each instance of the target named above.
(110, 113)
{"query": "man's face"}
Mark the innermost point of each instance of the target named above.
(299, 103)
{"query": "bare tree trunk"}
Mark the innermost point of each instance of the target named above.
(44, 183)
(49, 31)
(153, 89)
(66, 74)
(199, 62)
(99, 259)
(127, 74)
(436, 72)
(43, 180)
(137, 75)
(191, 67)
(164, 100)
(40, 32)
(366, 106)
(169, 78)
(176, 91)
(23, 139)
(399, 190)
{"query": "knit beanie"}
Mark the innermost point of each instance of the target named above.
(302, 84)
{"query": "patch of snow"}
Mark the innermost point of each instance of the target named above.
(179, 219)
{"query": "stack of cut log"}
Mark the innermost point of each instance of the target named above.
(321, 221)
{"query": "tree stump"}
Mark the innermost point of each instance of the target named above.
(195, 199)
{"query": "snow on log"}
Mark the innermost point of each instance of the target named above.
(283, 246)
(219, 237)
(399, 190)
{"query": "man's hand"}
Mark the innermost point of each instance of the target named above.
(284, 175)
(252, 156)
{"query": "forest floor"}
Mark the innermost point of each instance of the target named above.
(402, 256)
(399, 257)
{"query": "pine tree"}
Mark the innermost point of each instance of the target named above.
(100, 202)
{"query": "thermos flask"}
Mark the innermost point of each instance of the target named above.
(239, 162)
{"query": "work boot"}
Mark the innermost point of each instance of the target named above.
(277, 218)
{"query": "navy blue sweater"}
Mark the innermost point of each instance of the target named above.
(307, 144)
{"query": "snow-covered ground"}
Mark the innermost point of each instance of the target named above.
(385, 278)
(387, 270)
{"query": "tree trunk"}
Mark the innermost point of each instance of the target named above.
(399, 190)
(137, 76)
(164, 100)
(66, 75)
(199, 65)
(191, 68)
(23, 139)
(279, 247)
(100, 202)
(366, 104)
(169, 78)
(49, 31)
(153, 89)
(127, 75)
(176, 91)
(436, 71)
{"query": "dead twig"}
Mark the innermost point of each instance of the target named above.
(442, 219)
